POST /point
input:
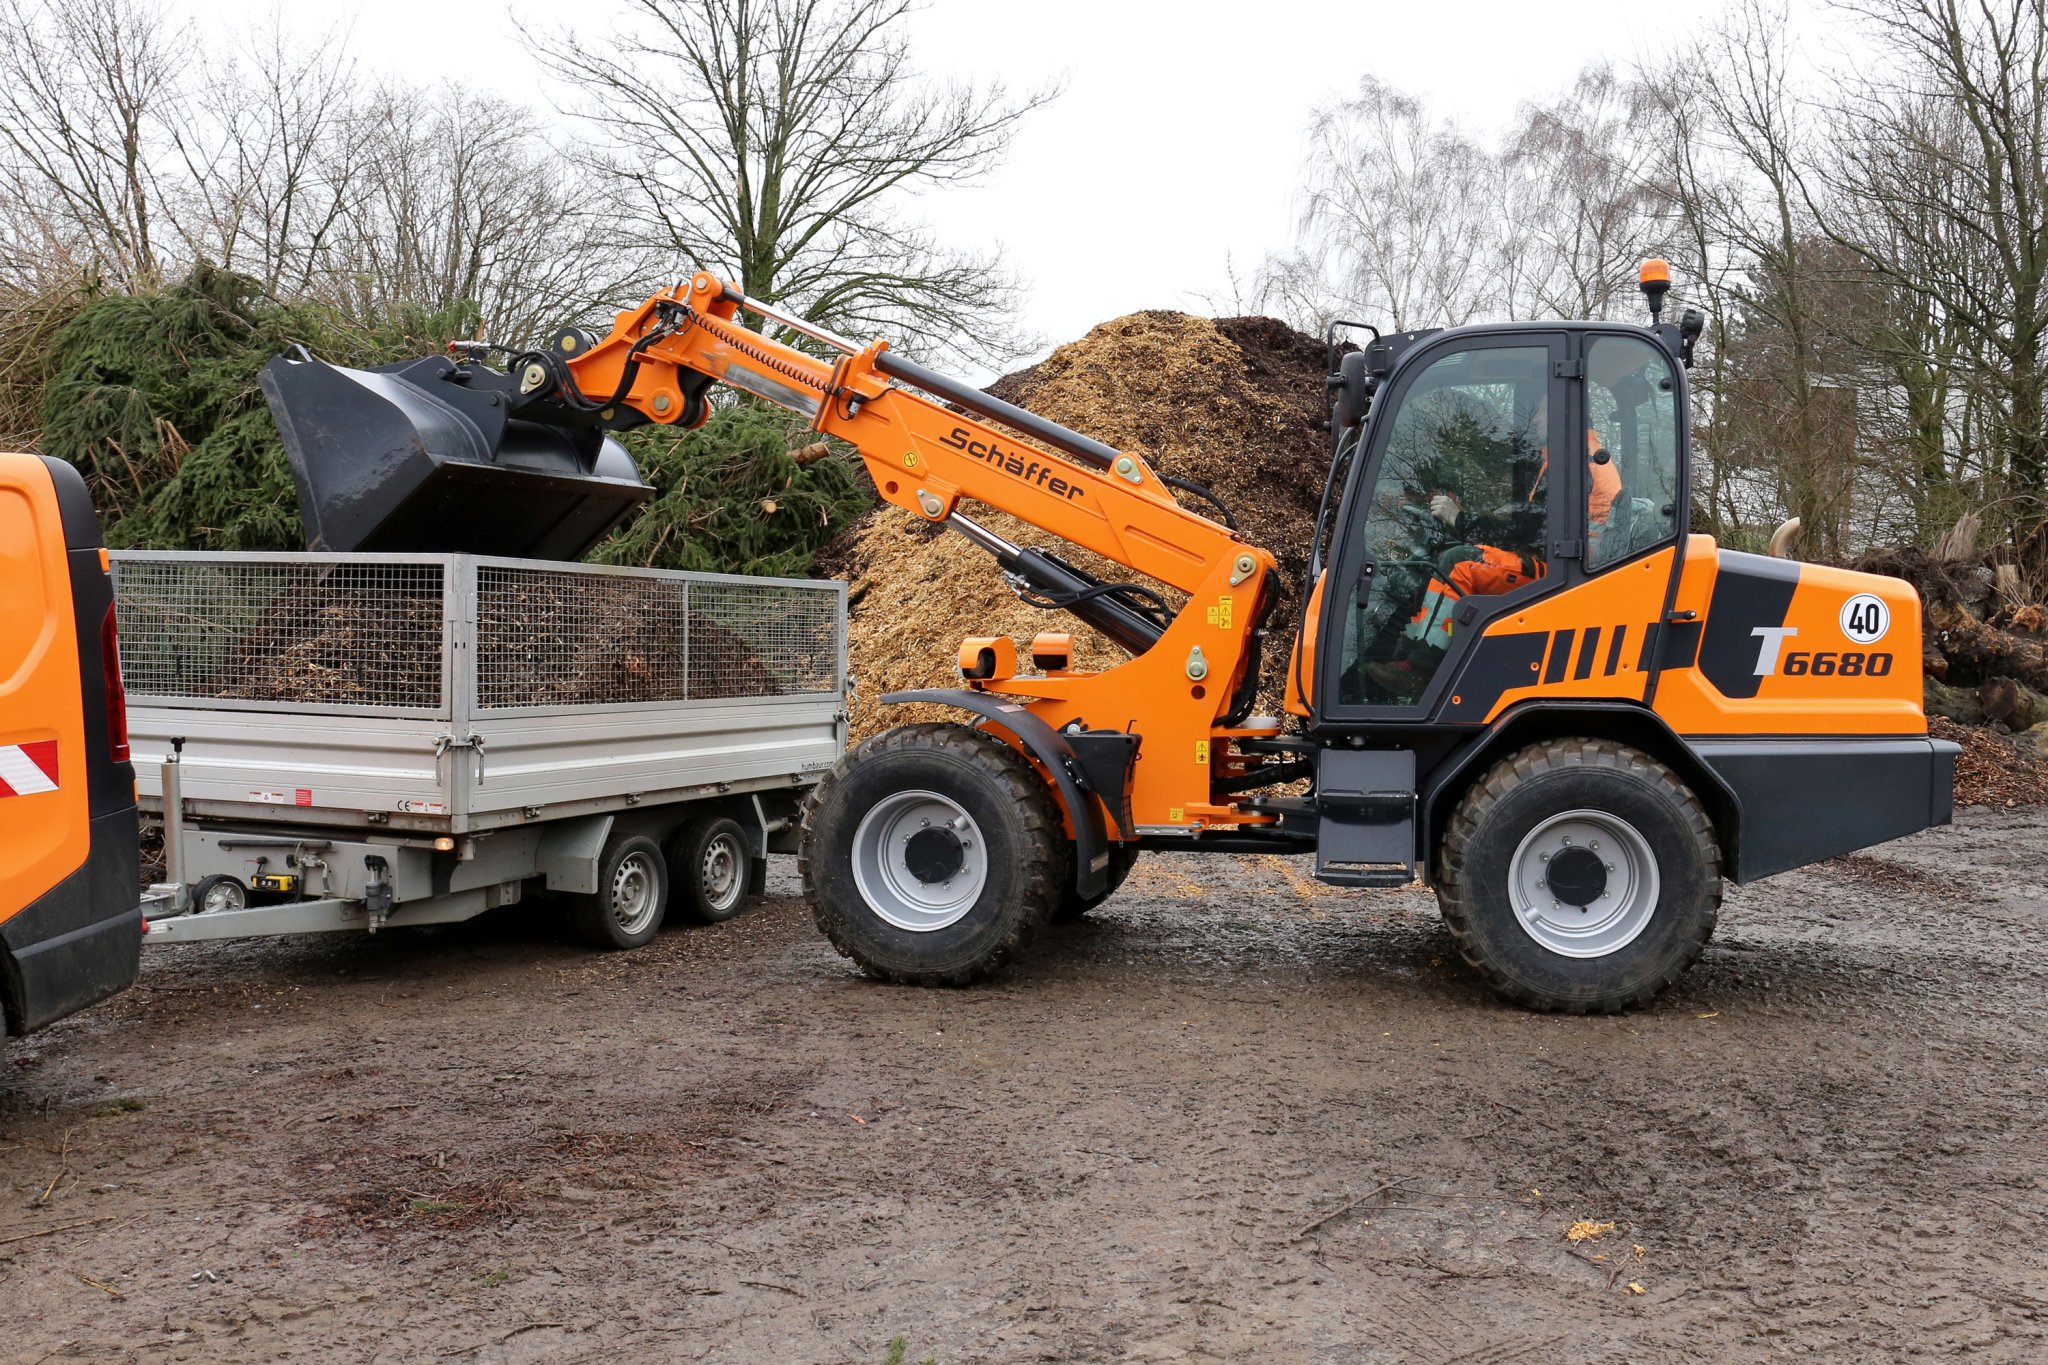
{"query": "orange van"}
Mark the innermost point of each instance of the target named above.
(71, 921)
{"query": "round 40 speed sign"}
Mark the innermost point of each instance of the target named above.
(1865, 618)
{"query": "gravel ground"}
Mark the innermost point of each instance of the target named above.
(1233, 1115)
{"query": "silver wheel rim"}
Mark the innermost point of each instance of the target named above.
(633, 893)
(1608, 921)
(223, 896)
(882, 867)
(722, 876)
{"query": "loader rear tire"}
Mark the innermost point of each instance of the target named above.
(1122, 858)
(1579, 875)
(931, 855)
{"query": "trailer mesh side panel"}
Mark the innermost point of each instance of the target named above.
(281, 630)
(562, 637)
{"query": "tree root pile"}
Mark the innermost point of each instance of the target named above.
(1984, 645)
(1233, 404)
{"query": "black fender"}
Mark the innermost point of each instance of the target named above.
(1050, 748)
(1624, 721)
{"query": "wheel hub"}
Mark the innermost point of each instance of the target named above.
(1576, 876)
(1584, 883)
(934, 854)
(919, 860)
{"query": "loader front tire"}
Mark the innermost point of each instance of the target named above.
(931, 855)
(1579, 875)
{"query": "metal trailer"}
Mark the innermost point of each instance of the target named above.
(355, 741)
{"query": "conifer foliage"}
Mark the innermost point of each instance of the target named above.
(153, 396)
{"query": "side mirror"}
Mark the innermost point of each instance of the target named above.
(1354, 386)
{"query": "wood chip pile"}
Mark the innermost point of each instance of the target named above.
(1234, 404)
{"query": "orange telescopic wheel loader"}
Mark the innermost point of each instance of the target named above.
(1516, 675)
(70, 908)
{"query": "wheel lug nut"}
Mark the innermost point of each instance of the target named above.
(1543, 858)
(1610, 867)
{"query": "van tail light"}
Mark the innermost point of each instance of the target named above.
(117, 696)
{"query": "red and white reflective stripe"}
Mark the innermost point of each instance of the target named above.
(27, 769)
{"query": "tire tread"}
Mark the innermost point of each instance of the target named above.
(1042, 863)
(1523, 766)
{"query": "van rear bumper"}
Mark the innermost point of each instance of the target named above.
(80, 941)
(1803, 800)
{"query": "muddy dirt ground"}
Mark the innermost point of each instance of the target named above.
(1234, 1116)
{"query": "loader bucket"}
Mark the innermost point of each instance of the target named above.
(410, 457)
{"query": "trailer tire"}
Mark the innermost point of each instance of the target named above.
(711, 868)
(632, 892)
(222, 891)
(1122, 858)
(1609, 926)
(931, 855)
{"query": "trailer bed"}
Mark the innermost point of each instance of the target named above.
(459, 694)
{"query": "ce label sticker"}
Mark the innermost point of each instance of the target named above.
(1865, 618)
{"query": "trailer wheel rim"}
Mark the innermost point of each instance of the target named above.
(919, 860)
(634, 898)
(722, 876)
(225, 894)
(1584, 883)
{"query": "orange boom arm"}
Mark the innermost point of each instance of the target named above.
(927, 458)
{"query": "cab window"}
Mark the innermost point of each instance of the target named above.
(1632, 408)
(1457, 508)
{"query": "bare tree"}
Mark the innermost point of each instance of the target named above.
(776, 141)
(272, 168)
(1581, 203)
(1391, 224)
(85, 89)
(1965, 99)
(457, 198)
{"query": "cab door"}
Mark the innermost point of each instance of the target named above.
(1456, 514)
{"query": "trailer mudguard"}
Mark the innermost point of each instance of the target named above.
(1056, 756)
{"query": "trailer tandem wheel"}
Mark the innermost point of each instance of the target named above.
(1579, 875)
(632, 892)
(710, 864)
(931, 854)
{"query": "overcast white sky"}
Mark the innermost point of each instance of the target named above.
(1175, 149)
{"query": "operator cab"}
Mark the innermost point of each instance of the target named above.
(1459, 508)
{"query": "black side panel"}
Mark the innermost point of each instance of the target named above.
(1749, 591)
(1496, 664)
(80, 941)
(1807, 799)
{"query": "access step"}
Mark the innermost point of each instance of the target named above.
(1383, 875)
